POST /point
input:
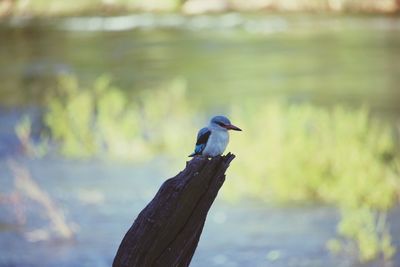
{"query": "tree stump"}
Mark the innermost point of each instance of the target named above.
(168, 229)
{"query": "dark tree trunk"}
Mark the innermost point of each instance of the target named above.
(167, 230)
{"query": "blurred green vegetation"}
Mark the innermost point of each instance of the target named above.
(287, 153)
(59, 7)
(23, 131)
(100, 121)
(338, 156)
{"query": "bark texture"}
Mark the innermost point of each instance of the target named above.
(168, 229)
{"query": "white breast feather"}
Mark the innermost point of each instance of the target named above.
(216, 144)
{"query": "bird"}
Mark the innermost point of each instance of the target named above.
(213, 139)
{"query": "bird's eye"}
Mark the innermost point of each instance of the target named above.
(221, 124)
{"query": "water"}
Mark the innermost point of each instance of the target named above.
(225, 59)
(100, 201)
(124, 191)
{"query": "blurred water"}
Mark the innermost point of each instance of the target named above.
(225, 58)
(101, 200)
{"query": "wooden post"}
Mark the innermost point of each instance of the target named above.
(168, 229)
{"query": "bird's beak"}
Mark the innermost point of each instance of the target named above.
(232, 127)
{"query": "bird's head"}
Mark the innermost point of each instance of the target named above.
(223, 123)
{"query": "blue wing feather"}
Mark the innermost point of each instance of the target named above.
(199, 148)
(202, 138)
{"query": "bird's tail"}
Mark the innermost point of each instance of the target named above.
(193, 154)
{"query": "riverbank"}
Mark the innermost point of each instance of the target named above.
(57, 8)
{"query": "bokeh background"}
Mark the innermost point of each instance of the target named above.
(101, 100)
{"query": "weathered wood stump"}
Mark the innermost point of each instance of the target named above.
(168, 229)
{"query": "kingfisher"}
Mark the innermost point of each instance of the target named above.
(213, 139)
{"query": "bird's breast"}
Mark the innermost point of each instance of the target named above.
(217, 143)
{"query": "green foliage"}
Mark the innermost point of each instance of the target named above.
(101, 120)
(60, 7)
(23, 131)
(70, 119)
(368, 229)
(306, 153)
(163, 112)
(344, 157)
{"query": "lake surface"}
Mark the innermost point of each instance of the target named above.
(225, 59)
(100, 201)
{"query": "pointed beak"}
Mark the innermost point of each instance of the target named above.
(232, 127)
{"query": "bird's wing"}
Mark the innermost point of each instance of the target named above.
(202, 138)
